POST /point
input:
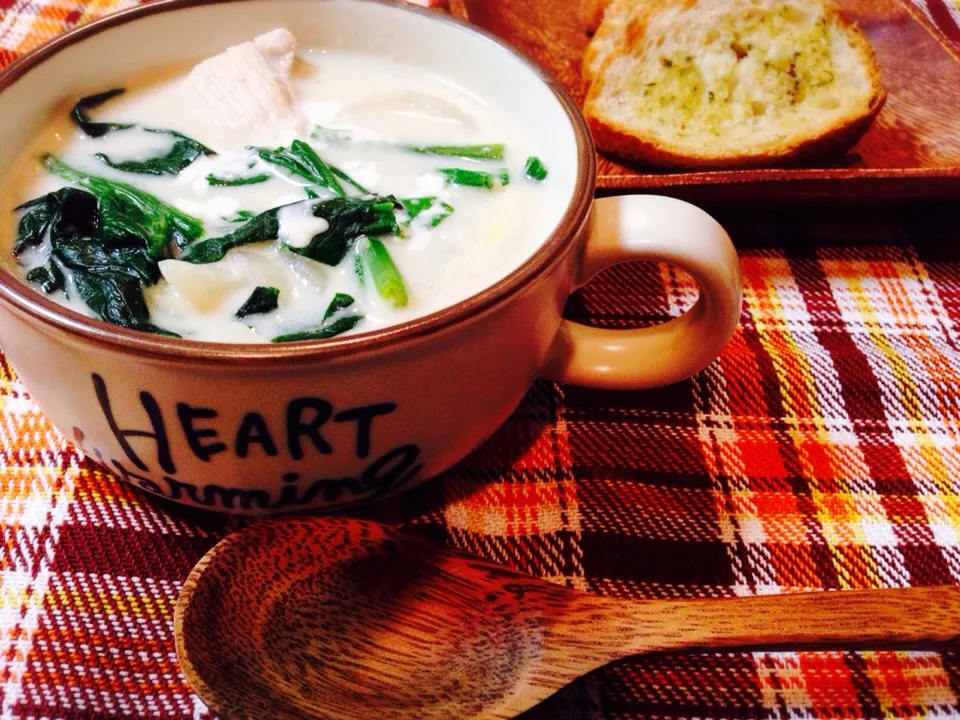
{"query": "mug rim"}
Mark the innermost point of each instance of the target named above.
(26, 299)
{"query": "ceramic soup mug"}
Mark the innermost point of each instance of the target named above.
(321, 425)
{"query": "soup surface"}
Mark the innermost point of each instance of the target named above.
(275, 193)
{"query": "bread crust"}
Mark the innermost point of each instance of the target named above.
(839, 136)
(591, 12)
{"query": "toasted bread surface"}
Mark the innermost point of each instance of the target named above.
(608, 37)
(724, 83)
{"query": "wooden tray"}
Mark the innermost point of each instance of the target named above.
(911, 151)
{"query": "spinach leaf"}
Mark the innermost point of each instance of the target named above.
(325, 331)
(385, 274)
(109, 264)
(47, 276)
(261, 228)
(109, 277)
(535, 169)
(330, 327)
(237, 181)
(34, 223)
(127, 212)
(110, 280)
(116, 298)
(416, 206)
(88, 126)
(151, 328)
(113, 296)
(184, 151)
(61, 212)
(263, 299)
(470, 152)
(474, 178)
(302, 160)
(439, 217)
(79, 252)
(341, 301)
(348, 220)
(487, 151)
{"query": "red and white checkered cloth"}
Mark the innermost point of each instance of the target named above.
(822, 451)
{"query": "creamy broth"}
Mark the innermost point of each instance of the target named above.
(360, 113)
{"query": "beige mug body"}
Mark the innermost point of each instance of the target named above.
(325, 426)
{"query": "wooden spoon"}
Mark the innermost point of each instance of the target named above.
(341, 619)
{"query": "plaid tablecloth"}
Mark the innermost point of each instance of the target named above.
(822, 451)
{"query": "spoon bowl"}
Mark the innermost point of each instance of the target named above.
(325, 598)
(340, 619)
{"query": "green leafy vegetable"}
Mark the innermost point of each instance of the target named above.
(48, 277)
(184, 151)
(151, 328)
(316, 167)
(114, 297)
(535, 169)
(263, 299)
(470, 152)
(416, 206)
(237, 181)
(129, 213)
(88, 126)
(261, 228)
(303, 161)
(330, 327)
(109, 278)
(311, 193)
(439, 217)
(384, 273)
(61, 212)
(341, 301)
(325, 331)
(487, 151)
(474, 178)
(348, 219)
(108, 273)
(82, 253)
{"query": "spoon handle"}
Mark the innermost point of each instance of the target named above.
(907, 615)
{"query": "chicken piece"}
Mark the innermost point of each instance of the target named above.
(278, 47)
(247, 87)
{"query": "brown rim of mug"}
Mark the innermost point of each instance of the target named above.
(27, 300)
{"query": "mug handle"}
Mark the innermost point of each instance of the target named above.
(653, 228)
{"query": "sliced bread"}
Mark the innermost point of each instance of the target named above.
(609, 35)
(723, 83)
